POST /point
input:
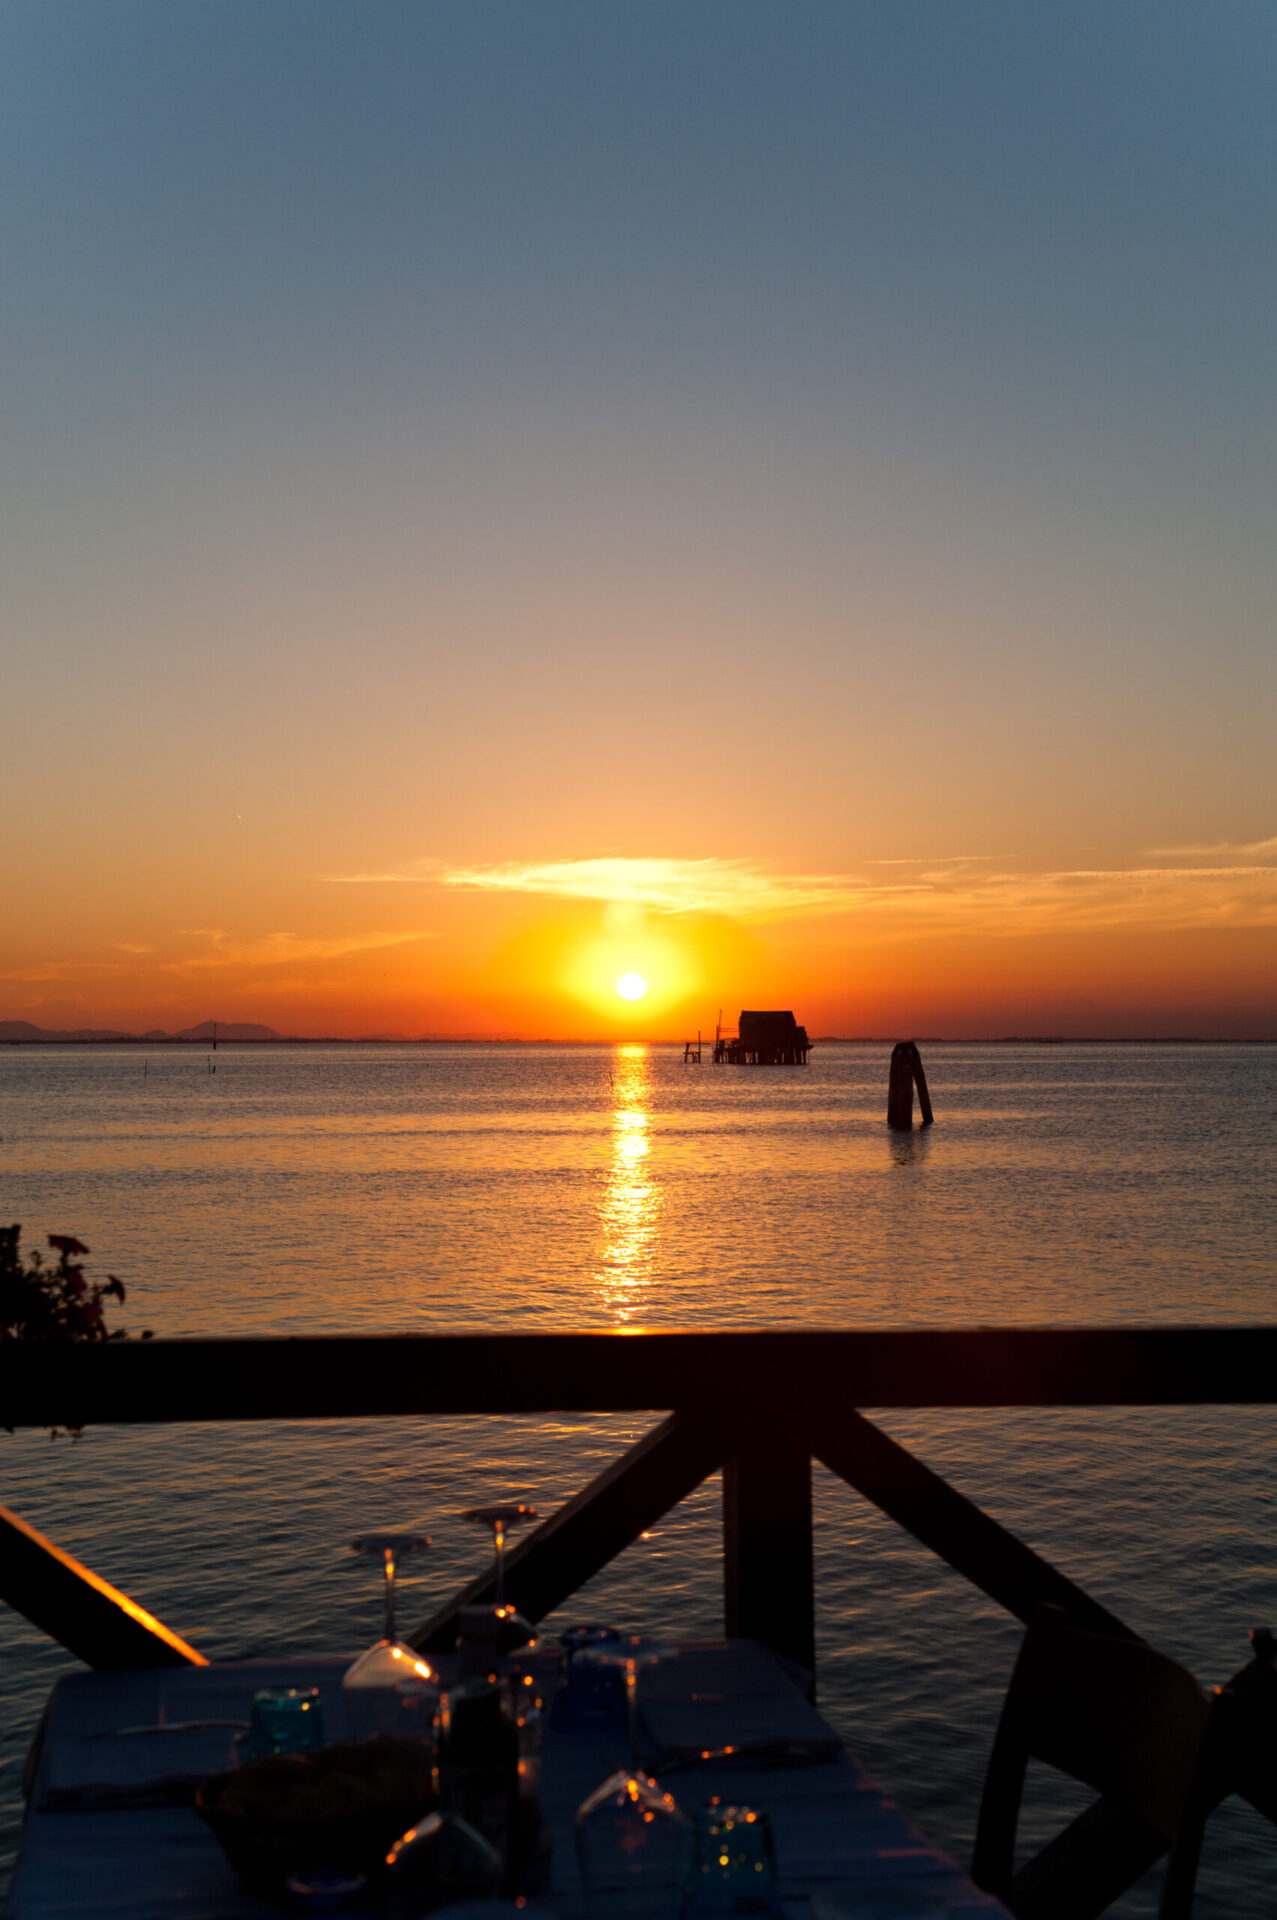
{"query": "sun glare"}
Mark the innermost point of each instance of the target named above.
(631, 986)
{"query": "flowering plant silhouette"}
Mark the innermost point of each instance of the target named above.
(53, 1302)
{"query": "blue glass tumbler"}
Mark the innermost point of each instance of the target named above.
(285, 1720)
(733, 1865)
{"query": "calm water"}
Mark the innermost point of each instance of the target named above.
(344, 1189)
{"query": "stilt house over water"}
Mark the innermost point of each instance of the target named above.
(764, 1040)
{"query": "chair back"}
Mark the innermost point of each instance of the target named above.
(1116, 1715)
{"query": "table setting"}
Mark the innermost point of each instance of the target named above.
(586, 1775)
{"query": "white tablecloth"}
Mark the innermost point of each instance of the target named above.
(110, 1833)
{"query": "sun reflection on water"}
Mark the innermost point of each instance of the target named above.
(629, 1212)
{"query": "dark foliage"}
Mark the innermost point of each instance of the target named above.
(53, 1301)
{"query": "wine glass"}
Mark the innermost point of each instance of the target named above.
(508, 1627)
(500, 1519)
(391, 1666)
(631, 1840)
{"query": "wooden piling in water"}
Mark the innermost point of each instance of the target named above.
(920, 1080)
(906, 1068)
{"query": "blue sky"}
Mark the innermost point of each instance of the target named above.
(585, 373)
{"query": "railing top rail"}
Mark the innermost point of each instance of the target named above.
(493, 1373)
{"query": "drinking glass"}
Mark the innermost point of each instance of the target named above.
(733, 1866)
(284, 1720)
(632, 1842)
(500, 1519)
(441, 1860)
(508, 1628)
(374, 1684)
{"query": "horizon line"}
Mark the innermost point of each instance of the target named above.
(55, 1038)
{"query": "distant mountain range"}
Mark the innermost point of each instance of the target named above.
(16, 1032)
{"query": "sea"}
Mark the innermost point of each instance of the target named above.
(279, 1189)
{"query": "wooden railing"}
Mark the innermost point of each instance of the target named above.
(759, 1405)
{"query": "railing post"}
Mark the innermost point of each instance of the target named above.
(767, 1553)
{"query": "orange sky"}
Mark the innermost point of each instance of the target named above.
(967, 949)
(493, 502)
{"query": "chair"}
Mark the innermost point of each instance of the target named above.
(1126, 1721)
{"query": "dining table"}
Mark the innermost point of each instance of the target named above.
(111, 1831)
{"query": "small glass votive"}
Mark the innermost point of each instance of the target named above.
(590, 1693)
(593, 1635)
(733, 1863)
(285, 1720)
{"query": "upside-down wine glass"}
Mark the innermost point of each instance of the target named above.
(512, 1629)
(391, 1663)
(631, 1840)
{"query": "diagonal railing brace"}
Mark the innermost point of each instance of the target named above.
(951, 1525)
(90, 1617)
(575, 1543)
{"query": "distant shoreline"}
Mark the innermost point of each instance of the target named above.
(134, 1041)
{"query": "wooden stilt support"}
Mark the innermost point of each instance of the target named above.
(767, 1551)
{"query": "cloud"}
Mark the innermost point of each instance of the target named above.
(734, 887)
(1222, 850)
(941, 860)
(427, 878)
(224, 950)
(967, 892)
(42, 972)
(1093, 899)
(281, 949)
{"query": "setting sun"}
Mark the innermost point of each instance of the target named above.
(631, 986)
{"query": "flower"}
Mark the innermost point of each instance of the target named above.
(66, 1243)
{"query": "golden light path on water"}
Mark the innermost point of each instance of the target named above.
(630, 1209)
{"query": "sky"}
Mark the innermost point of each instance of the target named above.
(775, 498)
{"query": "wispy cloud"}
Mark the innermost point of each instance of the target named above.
(280, 949)
(941, 860)
(44, 972)
(424, 877)
(964, 892)
(1221, 850)
(733, 887)
(659, 885)
(1092, 899)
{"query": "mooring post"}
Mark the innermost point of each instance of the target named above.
(924, 1098)
(900, 1086)
(906, 1069)
(767, 1554)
